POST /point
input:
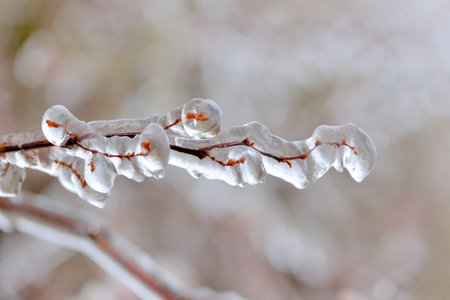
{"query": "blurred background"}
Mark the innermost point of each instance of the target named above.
(292, 65)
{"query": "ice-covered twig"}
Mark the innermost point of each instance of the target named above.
(252, 151)
(88, 156)
(113, 253)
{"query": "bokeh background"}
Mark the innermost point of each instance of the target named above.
(292, 65)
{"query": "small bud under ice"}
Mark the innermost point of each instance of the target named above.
(58, 123)
(153, 140)
(358, 162)
(70, 172)
(100, 173)
(201, 118)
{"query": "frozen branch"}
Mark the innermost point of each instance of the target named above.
(87, 157)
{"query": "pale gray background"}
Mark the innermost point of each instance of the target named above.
(292, 65)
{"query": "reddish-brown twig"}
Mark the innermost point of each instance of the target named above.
(201, 153)
(5, 170)
(99, 237)
(74, 171)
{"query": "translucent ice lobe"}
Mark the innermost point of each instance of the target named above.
(251, 171)
(201, 118)
(124, 166)
(11, 179)
(302, 171)
(99, 173)
(53, 161)
(55, 115)
(155, 149)
(58, 123)
(70, 170)
(358, 165)
(266, 142)
(91, 164)
(145, 155)
(296, 162)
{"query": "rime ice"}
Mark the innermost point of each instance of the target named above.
(87, 157)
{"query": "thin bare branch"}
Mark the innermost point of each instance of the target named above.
(113, 253)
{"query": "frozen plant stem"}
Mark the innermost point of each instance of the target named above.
(201, 153)
(86, 157)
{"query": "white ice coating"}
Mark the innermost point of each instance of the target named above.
(75, 182)
(144, 155)
(54, 161)
(186, 127)
(299, 172)
(250, 172)
(89, 156)
(11, 179)
(123, 156)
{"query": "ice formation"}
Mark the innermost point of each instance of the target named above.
(87, 157)
(296, 162)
